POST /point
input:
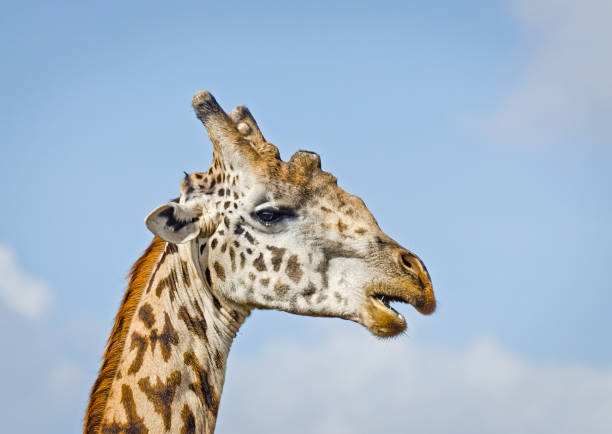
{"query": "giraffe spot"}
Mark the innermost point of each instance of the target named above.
(145, 313)
(213, 243)
(249, 237)
(226, 222)
(360, 231)
(259, 263)
(161, 395)
(219, 178)
(207, 276)
(341, 226)
(216, 302)
(221, 192)
(219, 271)
(169, 282)
(249, 251)
(338, 297)
(166, 339)
(232, 255)
(294, 270)
(189, 423)
(223, 247)
(195, 326)
(218, 360)
(281, 289)
(325, 209)
(202, 247)
(309, 290)
(252, 277)
(201, 386)
(236, 243)
(134, 423)
(171, 248)
(140, 343)
(322, 269)
(185, 273)
(236, 197)
(238, 230)
(265, 282)
(226, 205)
(242, 260)
(277, 256)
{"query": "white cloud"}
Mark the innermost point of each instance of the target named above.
(22, 293)
(565, 90)
(359, 385)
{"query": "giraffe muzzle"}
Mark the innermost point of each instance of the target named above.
(412, 287)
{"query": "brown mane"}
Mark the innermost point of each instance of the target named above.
(139, 278)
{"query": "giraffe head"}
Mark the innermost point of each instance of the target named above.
(270, 234)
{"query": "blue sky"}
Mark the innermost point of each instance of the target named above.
(478, 133)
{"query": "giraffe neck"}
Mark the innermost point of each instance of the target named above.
(171, 370)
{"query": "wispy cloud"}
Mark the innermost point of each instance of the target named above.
(357, 385)
(21, 292)
(564, 91)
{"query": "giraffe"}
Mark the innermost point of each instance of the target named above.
(252, 232)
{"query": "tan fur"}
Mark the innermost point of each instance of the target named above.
(139, 278)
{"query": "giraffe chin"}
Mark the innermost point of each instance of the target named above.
(383, 320)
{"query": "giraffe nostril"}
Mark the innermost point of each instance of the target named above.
(406, 260)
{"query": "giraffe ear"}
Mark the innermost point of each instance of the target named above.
(178, 222)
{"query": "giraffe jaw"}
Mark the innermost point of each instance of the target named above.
(382, 319)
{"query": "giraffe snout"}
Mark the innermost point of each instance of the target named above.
(416, 272)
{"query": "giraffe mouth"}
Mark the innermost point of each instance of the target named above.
(378, 314)
(386, 301)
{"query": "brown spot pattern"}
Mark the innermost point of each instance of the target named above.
(277, 256)
(259, 263)
(195, 326)
(218, 360)
(189, 423)
(220, 271)
(140, 343)
(185, 273)
(166, 339)
(170, 282)
(161, 395)
(134, 424)
(294, 270)
(281, 289)
(201, 387)
(145, 313)
(232, 255)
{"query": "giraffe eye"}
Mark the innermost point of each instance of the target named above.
(270, 216)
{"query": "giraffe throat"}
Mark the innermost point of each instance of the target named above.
(164, 366)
